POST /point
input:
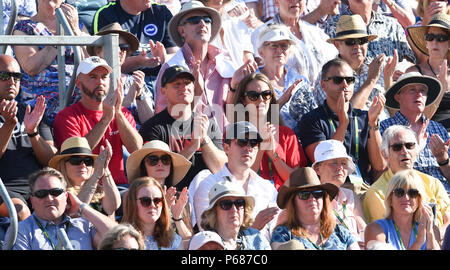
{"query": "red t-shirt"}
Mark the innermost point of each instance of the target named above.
(290, 152)
(77, 121)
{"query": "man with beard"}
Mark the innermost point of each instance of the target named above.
(26, 143)
(99, 117)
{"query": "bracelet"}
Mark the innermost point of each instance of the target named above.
(443, 163)
(177, 219)
(32, 134)
(80, 210)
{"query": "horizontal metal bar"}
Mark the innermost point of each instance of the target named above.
(52, 40)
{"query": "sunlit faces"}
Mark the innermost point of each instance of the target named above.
(149, 214)
(352, 53)
(334, 90)
(232, 218)
(161, 170)
(311, 207)
(412, 97)
(436, 48)
(333, 171)
(240, 156)
(77, 174)
(291, 8)
(260, 105)
(405, 204)
(94, 85)
(49, 207)
(275, 53)
(403, 159)
(179, 91)
(195, 32)
(9, 88)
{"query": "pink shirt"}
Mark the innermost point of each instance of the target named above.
(346, 198)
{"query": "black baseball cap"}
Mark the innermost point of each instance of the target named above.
(173, 72)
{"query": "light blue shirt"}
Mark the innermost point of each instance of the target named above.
(151, 244)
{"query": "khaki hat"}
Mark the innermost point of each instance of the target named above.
(351, 26)
(189, 7)
(180, 165)
(228, 189)
(73, 146)
(115, 28)
(303, 179)
(417, 34)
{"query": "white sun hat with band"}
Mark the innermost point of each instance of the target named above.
(351, 26)
(228, 189)
(332, 149)
(73, 146)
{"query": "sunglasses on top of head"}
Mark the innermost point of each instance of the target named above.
(147, 201)
(6, 76)
(197, 19)
(438, 37)
(77, 160)
(42, 193)
(153, 160)
(304, 195)
(227, 204)
(340, 79)
(400, 192)
(253, 95)
(353, 41)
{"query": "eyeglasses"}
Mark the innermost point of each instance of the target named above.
(353, 41)
(42, 193)
(398, 146)
(147, 201)
(253, 95)
(245, 142)
(197, 19)
(400, 192)
(124, 47)
(6, 76)
(227, 204)
(274, 46)
(339, 79)
(304, 195)
(76, 161)
(438, 37)
(153, 160)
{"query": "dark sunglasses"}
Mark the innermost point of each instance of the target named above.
(304, 195)
(227, 204)
(339, 79)
(153, 160)
(6, 76)
(76, 160)
(197, 19)
(353, 41)
(253, 95)
(124, 47)
(400, 192)
(398, 146)
(438, 37)
(245, 142)
(147, 201)
(42, 193)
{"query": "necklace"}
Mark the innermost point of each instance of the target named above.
(428, 62)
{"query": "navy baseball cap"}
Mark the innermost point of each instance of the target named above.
(173, 72)
(239, 130)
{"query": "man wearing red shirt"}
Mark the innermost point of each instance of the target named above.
(99, 117)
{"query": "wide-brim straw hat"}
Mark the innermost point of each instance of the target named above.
(188, 8)
(73, 146)
(434, 88)
(303, 179)
(180, 165)
(228, 189)
(417, 34)
(351, 26)
(115, 28)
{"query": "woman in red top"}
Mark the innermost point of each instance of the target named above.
(280, 153)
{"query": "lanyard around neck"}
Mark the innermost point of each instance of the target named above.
(315, 245)
(402, 245)
(44, 231)
(341, 220)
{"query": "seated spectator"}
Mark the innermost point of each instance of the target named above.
(275, 47)
(337, 119)
(39, 64)
(309, 217)
(400, 149)
(311, 51)
(333, 166)
(39, 231)
(229, 213)
(26, 143)
(146, 209)
(188, 133)
(156, 160)
(25, 10)
(137, 98)
(122, 237)
(83, 170)
(411, 94)
(280, 152)
(408, 222)
(241, 144)
(206, 240)
(99, 116)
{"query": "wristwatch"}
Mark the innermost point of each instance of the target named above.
(376, 127)
(205, 141)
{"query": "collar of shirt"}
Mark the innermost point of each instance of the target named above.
(45, 223)
(400, 118)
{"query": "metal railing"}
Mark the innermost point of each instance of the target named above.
(13, 227)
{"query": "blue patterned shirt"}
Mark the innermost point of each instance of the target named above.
(340, 239)
(425, 160)
(252, 239)
(151, 244)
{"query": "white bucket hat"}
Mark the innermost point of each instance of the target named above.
(332, 149)
(203, 237)
(228, 189)
(91, 63)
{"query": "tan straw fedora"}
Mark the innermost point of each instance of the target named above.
(180, 165)
(115, 28)
(189, 7)
(303, 179)
(73, 146)
(417, 34)
(351, 26)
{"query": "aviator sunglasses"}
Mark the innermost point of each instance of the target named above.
(353, 41)
(400, 192)
(253, 95)
(197, 19)
(227, 204)
(147, 201)
(77, 160)
(438, 37)
(42, 193)
(6, 76)
(153, 160)
(398, 146)
(304, 195)
(339, 79)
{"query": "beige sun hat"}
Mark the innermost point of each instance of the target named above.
(180, 165)
(351, 26)
(228, 189)
(73, 146)
(115, 28)
(189, 7)
(417, 34)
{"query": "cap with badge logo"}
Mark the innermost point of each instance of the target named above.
(173, 72)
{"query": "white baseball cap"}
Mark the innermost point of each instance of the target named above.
(273, 33)
(91, 63)
(332, 149)
(203, 237)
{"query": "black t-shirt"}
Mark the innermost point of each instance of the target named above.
(151, 24)
(19, 161)
(442, 114)
(177, 135)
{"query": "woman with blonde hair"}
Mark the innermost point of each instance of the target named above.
(408, 223)
(122, 237)
(147, 210)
